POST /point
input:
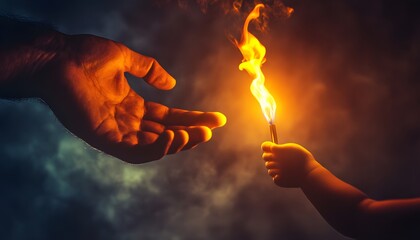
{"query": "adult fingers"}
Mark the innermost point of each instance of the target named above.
(177, 139)
(181, 138)
(179, 117)
(148, 68)
(184, 137)
(142, 153)
(196, 134)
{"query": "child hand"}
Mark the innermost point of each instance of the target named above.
(288, 164)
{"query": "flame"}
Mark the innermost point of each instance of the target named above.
(254, 56)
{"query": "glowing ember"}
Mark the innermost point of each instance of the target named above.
(254, 56)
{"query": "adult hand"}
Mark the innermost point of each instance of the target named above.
(84, 85)
(288, 164)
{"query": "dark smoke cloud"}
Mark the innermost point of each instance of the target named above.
(235, 12)
(228, 6)
(344, 74)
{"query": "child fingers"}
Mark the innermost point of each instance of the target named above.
(272, 165)
(268, 157)
(273, 172)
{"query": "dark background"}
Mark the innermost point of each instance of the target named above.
(345, 75)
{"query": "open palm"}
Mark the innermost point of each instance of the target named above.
(88, 92)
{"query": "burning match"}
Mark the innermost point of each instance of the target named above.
(273, 133)
(254, 56)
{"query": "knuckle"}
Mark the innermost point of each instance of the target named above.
(271, 172)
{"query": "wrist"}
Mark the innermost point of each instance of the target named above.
(49, 48)
(313, 169)
(25, 52)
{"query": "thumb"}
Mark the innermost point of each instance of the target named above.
(266, 146)
(148, 68)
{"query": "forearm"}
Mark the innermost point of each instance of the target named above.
(338, 202)
(391, 219)
(24, 49)
(344, 207)
(353, 214)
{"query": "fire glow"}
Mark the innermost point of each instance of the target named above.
(254, 56)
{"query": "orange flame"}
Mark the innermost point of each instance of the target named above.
(254, 56)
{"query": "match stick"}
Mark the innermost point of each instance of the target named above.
(273, 133)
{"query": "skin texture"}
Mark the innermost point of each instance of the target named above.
(82, 79)
(344, 207)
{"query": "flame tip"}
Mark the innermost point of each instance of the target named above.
(254, 57)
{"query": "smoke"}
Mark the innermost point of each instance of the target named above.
(275, 7)
(234, 12)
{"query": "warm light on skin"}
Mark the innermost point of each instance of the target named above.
(254, 56)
